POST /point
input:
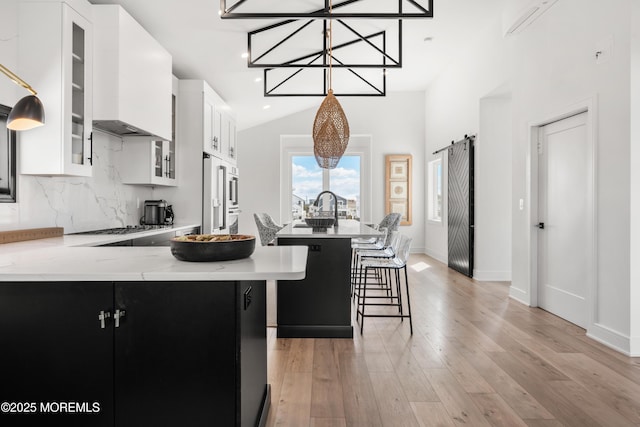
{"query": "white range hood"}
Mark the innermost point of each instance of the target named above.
(132, 77)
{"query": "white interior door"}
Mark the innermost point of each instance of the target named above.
(565, 207)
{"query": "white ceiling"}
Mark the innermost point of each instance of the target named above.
(206, 47)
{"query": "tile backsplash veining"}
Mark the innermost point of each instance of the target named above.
(78, 203)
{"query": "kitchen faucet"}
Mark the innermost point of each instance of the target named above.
(335, 208)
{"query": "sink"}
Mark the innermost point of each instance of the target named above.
(320, 224)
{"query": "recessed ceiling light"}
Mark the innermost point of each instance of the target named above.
(266, 107)
(258, 79)
(245, 55)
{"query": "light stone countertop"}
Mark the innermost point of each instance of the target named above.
(347, 228)
(71, 258)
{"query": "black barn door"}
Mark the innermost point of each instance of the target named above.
(460, 206)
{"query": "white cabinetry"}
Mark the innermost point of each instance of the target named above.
(148, 160)
(133, 77)
(212, 141)
(229, 126)
(55, 57)
(211, 120)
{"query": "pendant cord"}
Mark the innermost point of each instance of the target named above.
(330, 46)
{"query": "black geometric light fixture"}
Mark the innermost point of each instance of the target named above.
(28, 112)
(293, 52)
(258, 9)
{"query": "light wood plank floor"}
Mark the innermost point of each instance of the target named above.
(476, 358)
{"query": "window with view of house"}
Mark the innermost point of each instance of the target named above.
(302, 179)
(308, 180)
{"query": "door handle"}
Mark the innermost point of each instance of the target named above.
(119, 314)
(102, 317)
(540, 225)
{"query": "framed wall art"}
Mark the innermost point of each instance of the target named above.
(398, 186)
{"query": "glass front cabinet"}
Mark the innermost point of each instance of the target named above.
(55, 57)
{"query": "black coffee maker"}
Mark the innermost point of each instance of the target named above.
(157, 212)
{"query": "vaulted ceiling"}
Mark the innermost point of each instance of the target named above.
(204, 46)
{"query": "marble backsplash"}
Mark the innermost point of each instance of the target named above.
(78, 203)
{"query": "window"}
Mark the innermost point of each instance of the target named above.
(302, 179)
(7, 159)
(434, 184)
(308, 180)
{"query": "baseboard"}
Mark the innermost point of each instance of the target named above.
(437, 256)
(519, 295)
(635, 347)
(612, 339)
(492, 276)
(417, 250)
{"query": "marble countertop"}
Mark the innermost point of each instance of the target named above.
(347, 228)
(72, 258)
(104, 239)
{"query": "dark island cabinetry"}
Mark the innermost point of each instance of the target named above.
(148, 353)
(54, 351)
(320, 305)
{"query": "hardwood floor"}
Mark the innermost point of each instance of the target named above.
(476, 358)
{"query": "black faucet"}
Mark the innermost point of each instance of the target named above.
(335, 208)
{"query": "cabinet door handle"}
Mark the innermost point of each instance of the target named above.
(119, 314)
(247, 298)
(102, 317)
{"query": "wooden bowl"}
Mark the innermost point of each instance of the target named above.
(207, 247)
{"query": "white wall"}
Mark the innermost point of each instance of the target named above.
(77, 204)
(453, 110)
(634, 298)
(396, 123)
(550, 67)
(492, 252)
(9, 93)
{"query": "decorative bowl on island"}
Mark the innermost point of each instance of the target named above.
(212, 247)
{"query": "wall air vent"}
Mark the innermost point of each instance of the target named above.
(520, 14)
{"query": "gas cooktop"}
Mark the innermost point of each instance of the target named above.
(126, 230)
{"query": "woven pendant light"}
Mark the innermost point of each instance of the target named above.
(330, 127)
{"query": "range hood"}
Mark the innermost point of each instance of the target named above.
(119, 128)
(132, 77)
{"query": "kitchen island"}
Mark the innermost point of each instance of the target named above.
(320, 305)
(130, 336)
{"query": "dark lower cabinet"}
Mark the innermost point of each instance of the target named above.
(55, 352)
(319, 306)
(171, 353)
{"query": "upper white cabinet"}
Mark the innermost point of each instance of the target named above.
(231, 135)
(210, 120)
(212, 142)
(55, 57)
(132, 78)
(148, 160)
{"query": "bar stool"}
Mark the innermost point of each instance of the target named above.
(391, 267)
(267, 228)
(364, 251)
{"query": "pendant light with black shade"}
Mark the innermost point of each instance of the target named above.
(28, 112)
